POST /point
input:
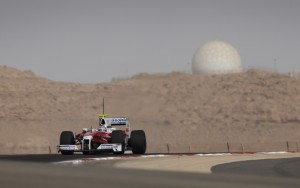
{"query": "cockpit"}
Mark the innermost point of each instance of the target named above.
(105, 126)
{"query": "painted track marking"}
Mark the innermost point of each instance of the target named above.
(86, 160)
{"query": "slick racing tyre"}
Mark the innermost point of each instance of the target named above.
(138, 142)
(67, 138)
(117, 137)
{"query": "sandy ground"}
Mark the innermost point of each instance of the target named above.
(178, 111)
(199, 163)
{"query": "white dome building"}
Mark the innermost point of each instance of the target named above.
(216, 57)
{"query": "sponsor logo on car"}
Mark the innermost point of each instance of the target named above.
(118, 120)
(68, 147)
(115, 147)
(106, 146)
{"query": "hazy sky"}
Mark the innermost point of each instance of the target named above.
(92, 41)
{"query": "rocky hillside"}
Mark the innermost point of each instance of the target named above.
(174, 108)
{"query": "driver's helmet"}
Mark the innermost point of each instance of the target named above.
(102, 125)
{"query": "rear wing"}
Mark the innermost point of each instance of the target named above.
(117, 122)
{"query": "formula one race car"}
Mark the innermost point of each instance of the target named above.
(112, 136)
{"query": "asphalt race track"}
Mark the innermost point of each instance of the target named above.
(289, 168)
(46, 158)
(37, 171)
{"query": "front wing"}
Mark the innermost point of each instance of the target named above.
(102, 147)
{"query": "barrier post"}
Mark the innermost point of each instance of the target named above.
(242, 147)
(228, 148)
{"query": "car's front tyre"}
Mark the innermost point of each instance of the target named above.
(67, 138)
(138, 142)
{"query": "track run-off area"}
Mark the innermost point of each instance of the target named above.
(270, 169)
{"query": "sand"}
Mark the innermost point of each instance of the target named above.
(178, 111)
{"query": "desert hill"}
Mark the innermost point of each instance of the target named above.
(175, 108)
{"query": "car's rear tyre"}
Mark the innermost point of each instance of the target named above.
(138, 142)
(67, 138)
(117, 137)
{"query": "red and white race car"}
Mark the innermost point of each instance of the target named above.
(112, 136)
